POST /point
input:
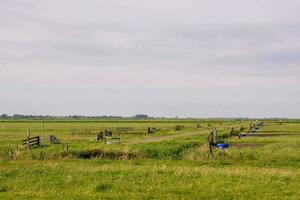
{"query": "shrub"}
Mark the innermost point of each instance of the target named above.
(179, 127)
(102, 187)
(101, 154)
(3, 189)
(224, 136)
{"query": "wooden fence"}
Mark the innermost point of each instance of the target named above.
(31, 142)
(112, 139)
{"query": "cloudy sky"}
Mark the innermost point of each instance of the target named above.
(193, 58)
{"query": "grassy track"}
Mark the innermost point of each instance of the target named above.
(162, 138)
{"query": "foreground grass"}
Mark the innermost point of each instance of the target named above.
(147, 179)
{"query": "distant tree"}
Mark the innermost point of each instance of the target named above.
(141, 116)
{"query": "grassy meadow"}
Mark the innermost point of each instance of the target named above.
(168, 164)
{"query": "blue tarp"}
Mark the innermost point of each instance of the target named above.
(223, 146)
(243, 135)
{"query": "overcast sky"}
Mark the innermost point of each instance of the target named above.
(193, 58)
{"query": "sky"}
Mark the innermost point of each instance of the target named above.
(193, 58)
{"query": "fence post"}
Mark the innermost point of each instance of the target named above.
(38, 140)
(44, 141)
(28, 136)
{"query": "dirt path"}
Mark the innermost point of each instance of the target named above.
(163, 138)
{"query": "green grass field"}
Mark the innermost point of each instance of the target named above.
(169, 164)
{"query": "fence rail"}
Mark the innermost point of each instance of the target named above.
(31, 141)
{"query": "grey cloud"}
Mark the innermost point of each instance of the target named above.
(193, 57)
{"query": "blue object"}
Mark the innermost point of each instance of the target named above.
(223, 146)
(243, 135)
(253, 130)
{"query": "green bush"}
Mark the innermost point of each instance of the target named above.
(179, 127)
(102, 187)
(3, 189)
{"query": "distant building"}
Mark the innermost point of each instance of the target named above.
(141, 116)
